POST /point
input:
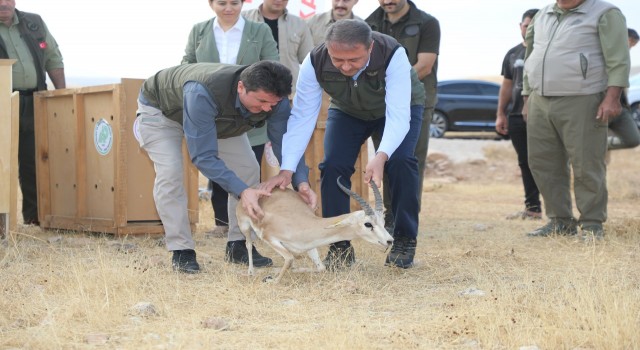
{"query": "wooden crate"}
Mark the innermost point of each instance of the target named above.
(10, 120)
(92, 174)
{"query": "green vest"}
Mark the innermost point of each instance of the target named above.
(363, 98)
(164, 91)
(31, 28)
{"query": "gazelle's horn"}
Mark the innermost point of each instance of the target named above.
(377, 195)
(365, 206)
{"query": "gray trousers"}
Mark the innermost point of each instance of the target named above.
(563, 134)
(162, 139)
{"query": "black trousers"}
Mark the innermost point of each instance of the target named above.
(27, 160)
(518, 134)
(219, 196)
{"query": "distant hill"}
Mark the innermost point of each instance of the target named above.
(493, 78)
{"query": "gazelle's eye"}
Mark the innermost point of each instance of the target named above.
(368, 224)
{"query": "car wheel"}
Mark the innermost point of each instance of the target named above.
(635, 113)
(439, 125)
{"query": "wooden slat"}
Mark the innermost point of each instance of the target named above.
(5, 136)
(120, 158)
(13, 190)
(9, 119)
(80, 154)
(139, 168)
(102, 169)
(43, 170)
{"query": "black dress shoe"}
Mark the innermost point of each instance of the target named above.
(236, 252)
(340, 256)
(185, 261)
(34, 222)
(402, 252)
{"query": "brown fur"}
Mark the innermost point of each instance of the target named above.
(291, 228)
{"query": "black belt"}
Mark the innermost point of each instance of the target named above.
(28, 92)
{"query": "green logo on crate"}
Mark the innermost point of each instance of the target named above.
(103, 137)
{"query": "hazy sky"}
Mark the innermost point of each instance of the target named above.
(135, 38)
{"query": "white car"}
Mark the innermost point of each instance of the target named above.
(634, 97)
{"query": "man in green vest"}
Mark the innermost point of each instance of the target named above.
(25, 38)
(213, 105)
(373, 90)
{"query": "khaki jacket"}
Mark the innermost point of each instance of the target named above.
(319, 23)
(294, 39)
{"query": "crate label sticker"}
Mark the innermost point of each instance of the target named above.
(103, 137)
(136, 129)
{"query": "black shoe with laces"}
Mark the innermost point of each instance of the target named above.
(236, 252)
(556, 226)
(340, 256)
(402, 252)
(185, 261)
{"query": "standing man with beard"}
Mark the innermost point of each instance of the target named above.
(419, 33)
(290, 32)
(514, 125)
(318, 24)
(25, 37)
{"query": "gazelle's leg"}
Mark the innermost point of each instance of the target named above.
(288, 257)
(250, 252)
(287, 264)
(244, 224)
(315, 257)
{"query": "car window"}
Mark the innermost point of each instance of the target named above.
(489, 90)
(634, 80)
(459, 89)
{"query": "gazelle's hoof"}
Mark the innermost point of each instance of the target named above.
(268, 279)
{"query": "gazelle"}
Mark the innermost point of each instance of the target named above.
(291, 228)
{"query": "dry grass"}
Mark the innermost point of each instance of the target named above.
(557, 293)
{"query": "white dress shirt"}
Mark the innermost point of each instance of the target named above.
(308, 100)
(228, 43)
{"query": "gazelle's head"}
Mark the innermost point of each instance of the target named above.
(368, 223)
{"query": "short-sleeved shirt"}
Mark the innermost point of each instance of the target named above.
(24, 71)
(418, 32)
(513, 69)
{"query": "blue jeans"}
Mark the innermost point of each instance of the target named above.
(343, 138)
